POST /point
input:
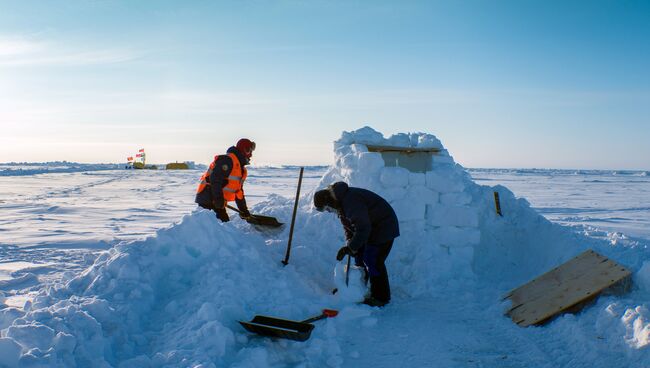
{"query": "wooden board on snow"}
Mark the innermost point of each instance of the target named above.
(564, 288)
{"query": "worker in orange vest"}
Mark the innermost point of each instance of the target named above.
(224, 181)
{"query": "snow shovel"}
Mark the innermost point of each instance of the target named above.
(284, 328)
(259, 219)
(347, 276)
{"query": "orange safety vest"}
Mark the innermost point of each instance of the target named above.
(233, 190)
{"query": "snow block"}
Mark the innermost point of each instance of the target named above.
(350, 160)
(341, 150)
(460, 257)
(359, 148)
(452, 216)
(392, 194)
(64, 343)
(428, 141)
(417, 179)
(408, 210)
(370, 162)
(365, 135)
(442, 183)
(412, 227)
(455, 236)
(399, 140)
(442, 160)
(9, 352)
(36, 334)
(368, 180)
(420, 193)
(457, 199)
(391, 177)
(8, 315)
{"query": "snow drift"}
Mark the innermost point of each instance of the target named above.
(175, 298)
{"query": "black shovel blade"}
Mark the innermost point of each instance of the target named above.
(277, 327)
(264, 221)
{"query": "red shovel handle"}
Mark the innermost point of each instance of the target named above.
(327, 313)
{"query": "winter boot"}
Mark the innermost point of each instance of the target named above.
(373, 302)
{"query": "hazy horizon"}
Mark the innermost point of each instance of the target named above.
(253, 165)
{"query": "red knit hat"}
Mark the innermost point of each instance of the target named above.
(246, 147)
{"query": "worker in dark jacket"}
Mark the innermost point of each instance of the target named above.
(224, 181)
(370, 226)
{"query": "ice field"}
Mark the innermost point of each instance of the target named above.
(108, 267)
(615, 201)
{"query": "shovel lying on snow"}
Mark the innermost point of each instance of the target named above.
(259, 219)
(284, 328)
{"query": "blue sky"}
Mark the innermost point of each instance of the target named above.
(558, 84)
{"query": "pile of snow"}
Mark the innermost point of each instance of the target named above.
(172, 300)
(175, 298)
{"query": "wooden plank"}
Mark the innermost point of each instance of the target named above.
(570, 292)
(580, 279)
(574, 269)
(551, 279)
(566, 296)
(374, 148)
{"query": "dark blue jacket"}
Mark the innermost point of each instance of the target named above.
(213, 194)
(366, 217)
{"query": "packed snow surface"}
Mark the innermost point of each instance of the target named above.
(174, 298)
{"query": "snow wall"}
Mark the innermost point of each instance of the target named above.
(174, 299)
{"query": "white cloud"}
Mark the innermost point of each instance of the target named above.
(17, 46)
(20, 51)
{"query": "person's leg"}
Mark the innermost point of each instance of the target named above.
(374, 258)
(380, 285)
(359, 262)
(205, 206)
(209, 207)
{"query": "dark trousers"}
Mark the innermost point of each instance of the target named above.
(372, 257)
(206, 206)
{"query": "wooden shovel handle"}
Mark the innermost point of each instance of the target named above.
(239, 212)
(233, 208)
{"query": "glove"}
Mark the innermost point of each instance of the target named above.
(222, 214)
(245, 213)
(342, 252)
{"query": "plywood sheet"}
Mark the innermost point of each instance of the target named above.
(566, 286)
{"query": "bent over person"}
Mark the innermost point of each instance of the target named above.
(223, 182)
(370, 226)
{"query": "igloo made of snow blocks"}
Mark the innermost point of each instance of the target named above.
(435, 199)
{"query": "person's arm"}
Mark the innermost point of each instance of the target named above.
(357, 214)
(219, 179)
(347, 226)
